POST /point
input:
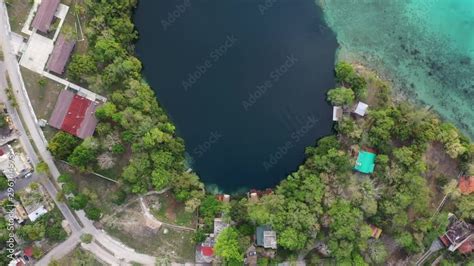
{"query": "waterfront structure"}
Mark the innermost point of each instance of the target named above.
(336, 113)
(223, 198)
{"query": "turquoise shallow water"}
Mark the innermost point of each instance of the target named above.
(425, 46)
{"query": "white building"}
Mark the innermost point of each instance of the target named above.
(361, 109)
(36, 213)
(13, 164)
(336, 113)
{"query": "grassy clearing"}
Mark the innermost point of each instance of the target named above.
(42, 92)
(102, 188)
(80, 256)
(166, 209)
(18, 12)
(74, 23)
(129, 227)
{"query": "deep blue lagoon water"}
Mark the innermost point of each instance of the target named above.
(243, 81)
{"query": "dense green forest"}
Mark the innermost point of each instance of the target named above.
(324, 200)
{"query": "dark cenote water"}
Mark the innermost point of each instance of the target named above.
(244, 81)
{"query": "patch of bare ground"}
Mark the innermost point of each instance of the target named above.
(440, 166)
(397, 255)
(167, 209)
(129, 226)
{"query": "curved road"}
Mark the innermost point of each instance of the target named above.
(104, 247)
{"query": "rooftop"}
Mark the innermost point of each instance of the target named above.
(74, 114)
(466, 184)
(207, 251)
(457, 234)
(266, 237)
(36, 213)
(365, 162)
(376, 232)
(336, 113)
(45, 14)
(223, 197)
(28, 251)
(361, 108)
(254, 194)
(13, 166)
(60, 55)
(467, 247)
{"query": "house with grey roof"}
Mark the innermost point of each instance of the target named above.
(59, 57)
(45, 15)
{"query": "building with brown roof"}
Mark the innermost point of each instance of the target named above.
(376, 232)
(458, 234)
(223, 198)
(44, 15)
(59, 57)
(467, 247)
(466, 185)
(74, 114)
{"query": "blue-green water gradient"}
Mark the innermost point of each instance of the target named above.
(425, 46)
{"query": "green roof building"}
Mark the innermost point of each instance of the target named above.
(365, 162)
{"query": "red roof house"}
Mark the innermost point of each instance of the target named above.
(207, 251)
(28, 251)
(74, 114)
(223, 197)
(466, 184)
(45, 14)
(467, 247)
(459, 235)
(60, 55)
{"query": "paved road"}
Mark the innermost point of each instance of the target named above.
(67, 246)
(107, 245)
(22, 100)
